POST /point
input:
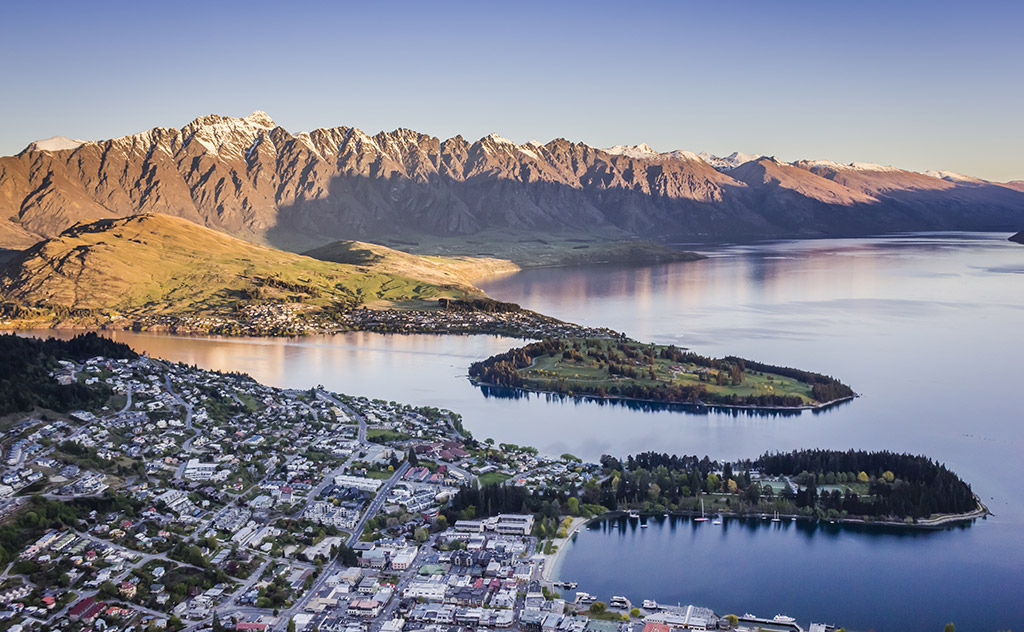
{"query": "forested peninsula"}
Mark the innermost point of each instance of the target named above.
(626, 369)
(843, 486)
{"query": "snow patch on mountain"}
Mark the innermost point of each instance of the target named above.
(729, 162)
(853, 166)
(55, 143)
(951, 176)
(643, 150)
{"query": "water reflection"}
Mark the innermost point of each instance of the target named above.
(505, 392)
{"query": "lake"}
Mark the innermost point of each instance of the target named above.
(923, 326)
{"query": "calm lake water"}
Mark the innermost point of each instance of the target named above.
(925, 327)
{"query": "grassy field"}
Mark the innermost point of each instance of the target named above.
(587, 372)
(493, 478)
(383, 435)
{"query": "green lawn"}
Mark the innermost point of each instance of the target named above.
(383, 435)
(493, 478)
(593, 373)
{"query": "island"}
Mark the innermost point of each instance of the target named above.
(161, 496)
(620, 368)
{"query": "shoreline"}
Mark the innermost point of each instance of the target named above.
(619, 398)
(552, 560)
(980, 511)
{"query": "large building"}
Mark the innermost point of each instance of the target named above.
(358, 482)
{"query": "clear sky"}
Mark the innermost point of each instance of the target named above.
(920, 85)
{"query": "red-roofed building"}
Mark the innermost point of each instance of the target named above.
(75, 613)
(243, 626)
(657, 627)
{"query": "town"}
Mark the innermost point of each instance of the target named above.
(195, 500)
(295, 319)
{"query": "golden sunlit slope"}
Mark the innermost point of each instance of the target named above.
(440, 270)
(150, 265)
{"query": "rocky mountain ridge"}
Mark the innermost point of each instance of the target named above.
(253, 179)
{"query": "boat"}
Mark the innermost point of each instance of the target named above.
(776, 518)
(702, 518)
(650, 604)
(792, 518)
(716, 521)
(620, 602)
(666, 515)
(583, 597)
(569, 585)
(633, 514)
(643, 526)
(781, 618)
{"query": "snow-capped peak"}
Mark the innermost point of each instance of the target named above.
(261, 119)
(950, 176)
(731, 161)
(682, 154)
(643, 150)
(499, 140)
(853, 166)
(55, 143)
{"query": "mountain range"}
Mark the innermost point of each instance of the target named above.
(253, 179)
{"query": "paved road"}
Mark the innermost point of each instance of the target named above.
(330, 568)
(324, 395)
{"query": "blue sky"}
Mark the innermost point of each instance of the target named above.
(920, 85)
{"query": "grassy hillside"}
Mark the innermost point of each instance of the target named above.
(158, 265)
(440, 270)
(533, 249)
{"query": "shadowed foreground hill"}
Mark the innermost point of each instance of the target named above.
(157, 265)
(1018, 238)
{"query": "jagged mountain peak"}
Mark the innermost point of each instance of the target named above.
(251, 178)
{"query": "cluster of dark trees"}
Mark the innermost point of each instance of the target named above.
(472, 501)
(899, 487)
(903, 485)
(504, 370)
(488, 305)
(26, 363)
(40, 516)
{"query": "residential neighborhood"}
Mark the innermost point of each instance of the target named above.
(198, 500)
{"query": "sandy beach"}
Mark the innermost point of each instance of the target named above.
(552, 561)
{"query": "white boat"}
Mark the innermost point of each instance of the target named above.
(702, 518)
(633, 514)
(643, 526)
(650, 604)
(781, 618)
(776, 518)
(716, 521)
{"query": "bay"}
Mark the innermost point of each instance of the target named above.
(923, 326)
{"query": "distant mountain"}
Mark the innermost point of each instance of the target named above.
(255, 180)
(1018, 238)
(158, 265)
